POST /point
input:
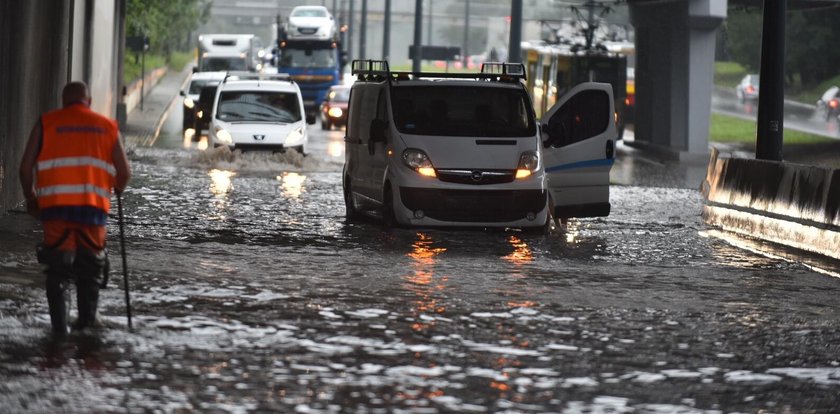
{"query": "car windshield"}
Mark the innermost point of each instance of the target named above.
(307, 58)
(262, 106)
(220, 64)
(309, 13)
(474, 111)
(340, 95)
(196, 85)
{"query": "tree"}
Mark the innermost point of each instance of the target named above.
(167, 23)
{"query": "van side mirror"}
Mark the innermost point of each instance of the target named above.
(310, 118)
(182, 93)
(377, 130)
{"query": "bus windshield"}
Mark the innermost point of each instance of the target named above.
(473, 111)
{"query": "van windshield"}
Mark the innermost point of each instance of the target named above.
(219, 64)
(462, 111)
(246, 106)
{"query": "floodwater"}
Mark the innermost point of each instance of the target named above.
(251, 293)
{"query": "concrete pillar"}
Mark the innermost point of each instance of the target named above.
(33, 69)
(675, 49)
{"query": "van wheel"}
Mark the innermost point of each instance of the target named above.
(389, 219)
(350, 212)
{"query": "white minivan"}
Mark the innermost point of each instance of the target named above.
(259, 112)
(447, 149)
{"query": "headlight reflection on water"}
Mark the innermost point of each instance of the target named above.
(421, 280)
(221, 182)
(291, 184)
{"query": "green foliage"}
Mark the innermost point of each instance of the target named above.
(167, 23)
(723, 128)
(811, 55)
(179, 60)
(133, 65)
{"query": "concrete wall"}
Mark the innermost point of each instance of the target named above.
(43, 45)
(789, 204)
(33, 68)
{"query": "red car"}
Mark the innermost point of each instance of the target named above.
(334, 107)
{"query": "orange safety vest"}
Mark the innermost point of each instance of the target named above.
(75, 166)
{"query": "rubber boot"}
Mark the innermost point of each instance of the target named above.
(87, 295)
(57, 304)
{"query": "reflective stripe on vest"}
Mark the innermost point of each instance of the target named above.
(73, 189)
(77, 162)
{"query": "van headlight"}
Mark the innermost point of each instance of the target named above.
(189, 103)
(529, 163)
(223, 136)
(418, 161)
(295, 137)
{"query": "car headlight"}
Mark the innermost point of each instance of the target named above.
(295, 137)
(189, 103)
(223, 136)
(335, 112)
(529, 163)
(418, 161)
(200, 114)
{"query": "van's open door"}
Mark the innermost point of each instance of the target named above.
(578, 135)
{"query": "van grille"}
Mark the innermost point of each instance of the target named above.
(475, 177)
(471, 206)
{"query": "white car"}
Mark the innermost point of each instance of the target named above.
(198, 80)
(259, 112)
(311, 22)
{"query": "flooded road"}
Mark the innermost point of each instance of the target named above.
(251, 293)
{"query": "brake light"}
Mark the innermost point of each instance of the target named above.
(750, 89)
(630, 100)
(833, 103)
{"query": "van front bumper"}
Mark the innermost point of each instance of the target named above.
(434, 206)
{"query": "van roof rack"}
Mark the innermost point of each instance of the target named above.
(245, 75)
(378, 69)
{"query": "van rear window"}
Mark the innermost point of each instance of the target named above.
(462, 111)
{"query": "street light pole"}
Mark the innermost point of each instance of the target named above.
(350, 32)
(464, 54)
(418, 34)
(363, 32)
(515, 41)
(771, 110)
(386, 36)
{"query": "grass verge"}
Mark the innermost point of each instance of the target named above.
(728, 129)
(132, 65)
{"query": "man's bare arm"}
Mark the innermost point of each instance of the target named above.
(121, 165)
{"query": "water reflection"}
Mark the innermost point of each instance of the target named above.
(572, 232)
(221, 182)
(291, 184)
(521, 253)
(422, 281)
(189, 134)
(335, 149)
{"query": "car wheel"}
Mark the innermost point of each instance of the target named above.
(389, 219)
(350, 212)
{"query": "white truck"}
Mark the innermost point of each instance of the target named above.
(228, 52)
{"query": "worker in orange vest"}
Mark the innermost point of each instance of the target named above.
(72, 161)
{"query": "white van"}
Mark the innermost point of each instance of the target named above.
(446, 149)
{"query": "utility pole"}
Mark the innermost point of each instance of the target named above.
(418, 35)
(771, 110)
(590, 23)
(429, 29)
(363, 32)
(386, 36)
(350, 33)
(515, 42)
(464, 54)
